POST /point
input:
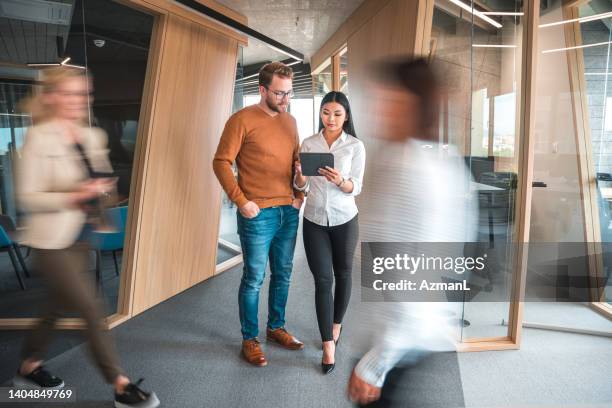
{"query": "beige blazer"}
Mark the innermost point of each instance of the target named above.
(50, 168)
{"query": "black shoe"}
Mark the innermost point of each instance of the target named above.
(133, 396)
(39, 378)
(327, 368)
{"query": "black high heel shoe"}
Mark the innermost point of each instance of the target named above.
(327, 368)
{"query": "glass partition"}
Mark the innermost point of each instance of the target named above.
(572, 166)
(112, 42)
(228, 248)
(478, 58)
(596, 36)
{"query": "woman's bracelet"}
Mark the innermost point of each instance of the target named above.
(341, 183)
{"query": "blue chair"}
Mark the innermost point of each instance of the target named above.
(110, 241)
(8, 245)
(6, 222)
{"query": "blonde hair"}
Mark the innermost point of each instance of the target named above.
(51, 79)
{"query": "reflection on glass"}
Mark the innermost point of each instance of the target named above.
(597, 75)
(112, 41)
(558, 203)
(228, 246)
(479, 64)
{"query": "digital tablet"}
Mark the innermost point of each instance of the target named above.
(312, 162)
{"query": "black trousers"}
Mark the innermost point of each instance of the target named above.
(329, 251)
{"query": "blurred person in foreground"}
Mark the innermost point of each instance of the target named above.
(64, 169)
(416, 191)
(331, 226)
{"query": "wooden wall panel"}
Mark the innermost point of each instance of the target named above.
(354, 22)
(392, 31)
(180, 212)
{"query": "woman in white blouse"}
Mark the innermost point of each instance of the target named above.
(330, 226)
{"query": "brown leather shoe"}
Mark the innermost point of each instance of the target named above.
(251, 351)
(282, 337)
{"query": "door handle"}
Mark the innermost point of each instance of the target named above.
(538, 184)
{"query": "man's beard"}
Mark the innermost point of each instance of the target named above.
(273, 106)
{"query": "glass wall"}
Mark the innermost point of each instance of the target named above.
(572, 166)
(596, 36)
(229, 243)
(112, 42)
(478, 59)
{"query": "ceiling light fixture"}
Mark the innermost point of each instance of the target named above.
(477, 13)
(579, 20)
(493, 46)
(576, 47)
(503, 13)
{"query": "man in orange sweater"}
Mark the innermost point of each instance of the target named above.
(263, 141)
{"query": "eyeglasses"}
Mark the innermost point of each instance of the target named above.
(281, 94)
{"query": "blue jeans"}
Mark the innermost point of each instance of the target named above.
(270, 235)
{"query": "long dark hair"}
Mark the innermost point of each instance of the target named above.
(339, 97)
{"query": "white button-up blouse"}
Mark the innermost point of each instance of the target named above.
(326, 204)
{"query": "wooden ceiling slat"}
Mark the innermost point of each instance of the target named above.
(41, 42)
(4, 52)
(18, 40)
(7, 35)
(51, 47)
(29, 36)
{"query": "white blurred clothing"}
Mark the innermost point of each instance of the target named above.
(419, 192)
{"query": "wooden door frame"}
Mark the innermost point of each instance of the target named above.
(586, 162)
(526, 132)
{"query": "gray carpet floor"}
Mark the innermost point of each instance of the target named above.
(187, 348)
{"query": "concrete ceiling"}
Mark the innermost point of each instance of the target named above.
(303, 25)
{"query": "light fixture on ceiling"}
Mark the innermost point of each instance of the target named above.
(579, 20)
(493, 46)
(577, 47)
(477, 13)
(64, 63)
(98, 42)
(503, 13)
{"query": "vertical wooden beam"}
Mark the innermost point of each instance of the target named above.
(584, 147)
(586, 162)
(137, 184)
(525, 164)
(336, 72)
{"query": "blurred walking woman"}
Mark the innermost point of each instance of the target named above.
(64, 166)
(330, 217)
